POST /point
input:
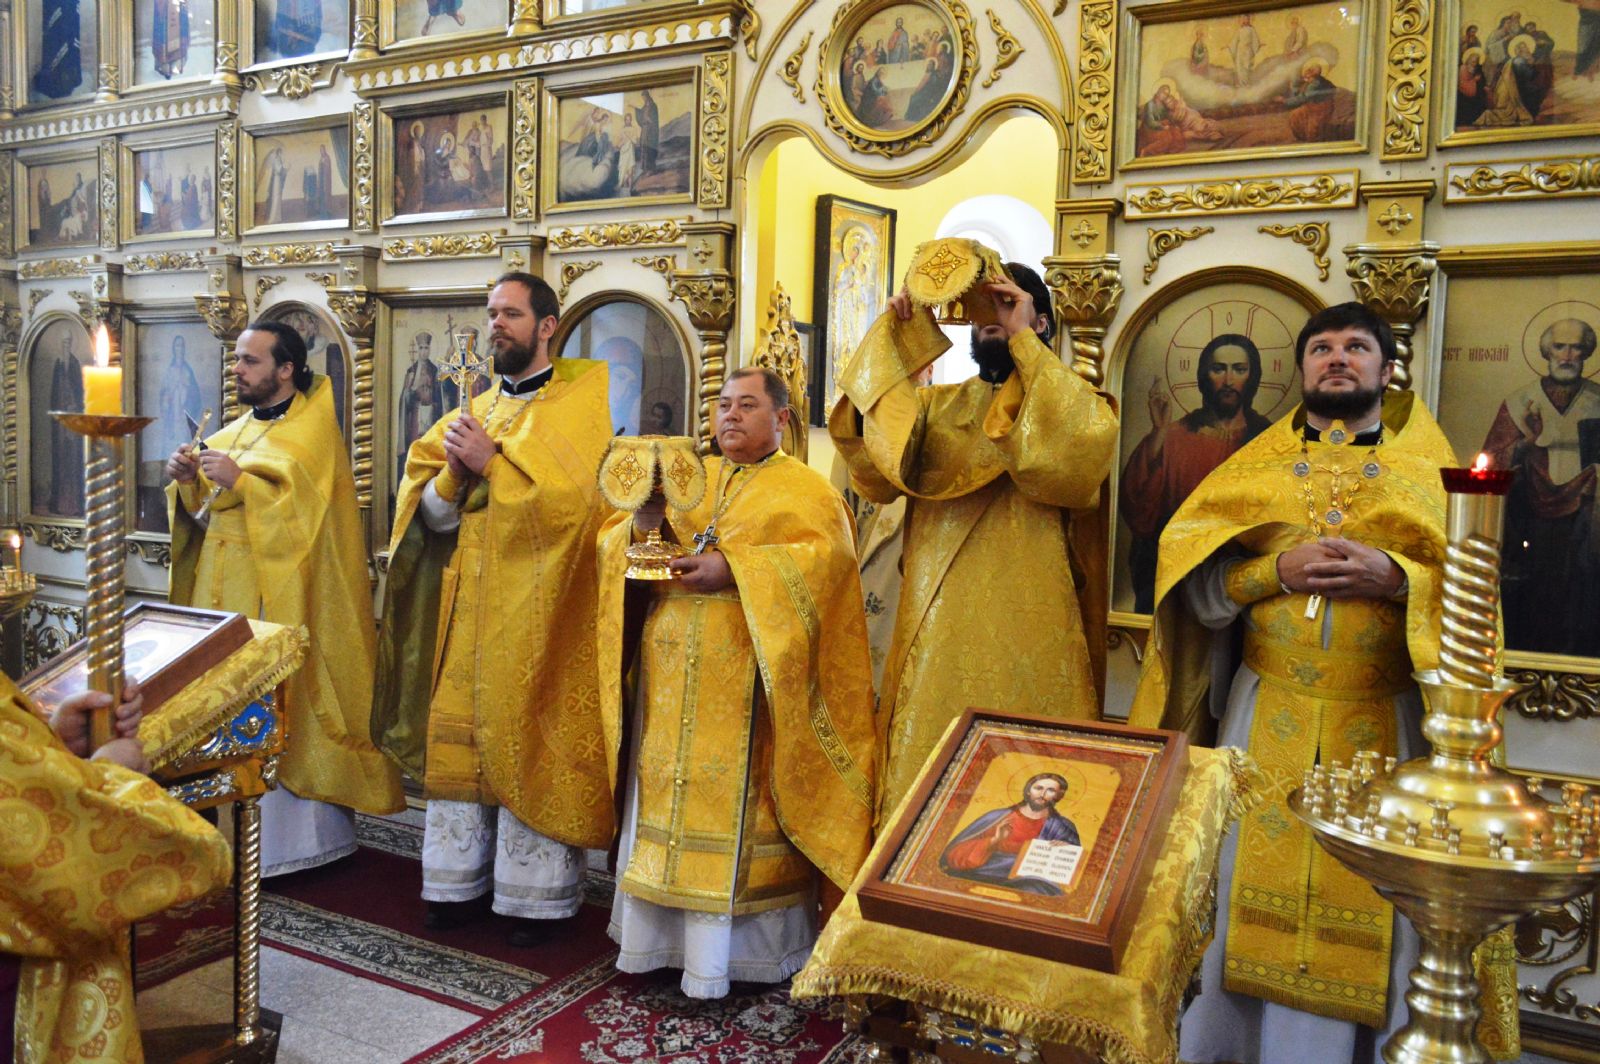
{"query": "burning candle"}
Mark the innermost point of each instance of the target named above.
(102, 382)
(1479, 480)
(15, 543)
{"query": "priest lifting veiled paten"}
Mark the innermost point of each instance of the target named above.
(486, 688)
(737, 699)
(86, 848)
(993, 467)
(265, 523)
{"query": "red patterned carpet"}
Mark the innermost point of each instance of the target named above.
(559, 1003)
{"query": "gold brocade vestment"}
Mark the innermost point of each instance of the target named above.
(86, 848)
(989, 613)
(1303, 930)
(285, 545)
(757, 753)
(487, 689)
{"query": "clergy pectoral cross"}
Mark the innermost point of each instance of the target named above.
(704, 541)
(464, 365)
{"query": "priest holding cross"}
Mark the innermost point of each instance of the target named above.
(486, 684)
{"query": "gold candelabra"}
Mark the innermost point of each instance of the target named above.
(1458, 845)
(104, 436)
(16, 587)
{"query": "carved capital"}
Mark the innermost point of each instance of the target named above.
(709, 299)
(356, 309)
(1393, 281)
(1086, 296)
(225, 314)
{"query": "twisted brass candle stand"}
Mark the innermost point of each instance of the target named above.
(106, 517)
(1461, 847)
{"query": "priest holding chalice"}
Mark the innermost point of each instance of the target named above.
(736, 696)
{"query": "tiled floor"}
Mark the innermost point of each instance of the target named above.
(329, 1017)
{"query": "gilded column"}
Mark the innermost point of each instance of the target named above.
(109, 191)
(708, 291)
(364, 31)
(226, 313)
(8, 212)
(8, 98)
(102, 304)
(10, 332)
(226, 72)
(1392, 269)
(524, 17)
(1085, 279)
(109, 86)
(354, 303)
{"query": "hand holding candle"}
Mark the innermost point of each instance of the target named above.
(102, 382)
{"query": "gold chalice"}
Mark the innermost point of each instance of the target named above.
(633, 470)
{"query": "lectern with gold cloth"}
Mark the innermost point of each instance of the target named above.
(955, 1001)
(217, 742)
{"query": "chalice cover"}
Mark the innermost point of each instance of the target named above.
(683, 475)
(946, 270)
(628, 471)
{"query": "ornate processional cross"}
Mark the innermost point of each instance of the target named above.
(464, 365)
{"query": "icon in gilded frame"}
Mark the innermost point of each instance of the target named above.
(296, 176)
(58, 202)
(633, 141)
(60, 42)
(444, 160)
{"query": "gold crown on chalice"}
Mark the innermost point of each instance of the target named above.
(633, 468)
(948, 275)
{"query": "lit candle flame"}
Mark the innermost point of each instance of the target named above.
(102, 347)
(15, 543)
(1481, 464)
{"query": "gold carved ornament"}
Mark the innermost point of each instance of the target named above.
(524, 149)
(710, 299)
(1161, 242)
(868, 141)
(716, 74)
(1007, 49)
(665, 265)
(1236, 195)
(778, 349)
(290, 254)
(1550, 177)
(265, 284)
(108, 193)
(363, 136)
(56, 268)
(571, 271)
(37, 296)
(1086, 296)
(61, 538)
(442, 246)
(1097, 29)
(1394, 283)
(7, 233)
(227, 181)
(1313, 236)
(1407, 65)
(665, 233)
(164, 262)
(789, 73)
(1554, 696)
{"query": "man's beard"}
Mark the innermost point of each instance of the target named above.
(1342, 406)
(1224, 403)
(513, 359)
(1037, 805)
(993, 357)
(1565, 373)
(258, 396)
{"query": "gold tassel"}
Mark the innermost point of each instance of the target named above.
(1266, 918)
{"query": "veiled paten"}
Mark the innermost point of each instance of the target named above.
(86, 848)
(989, 612)
(487, 688)
(757, 757)
(285, 544)
(1304, 931)
(1129, 1016)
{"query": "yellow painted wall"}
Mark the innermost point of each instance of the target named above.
(1017, 159)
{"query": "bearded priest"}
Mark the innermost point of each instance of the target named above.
(746, 760)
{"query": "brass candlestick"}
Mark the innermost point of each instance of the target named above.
(1460, 847)
(105, 510)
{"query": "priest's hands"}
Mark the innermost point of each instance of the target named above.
(1013, 308)
(129, 753)
(707, 572)
(70, 721)
(468, 446)
(648, 517)
(219, 468)
(901, 304)
(1336, 568)
(183, 466)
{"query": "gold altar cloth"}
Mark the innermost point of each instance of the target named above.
(274, 652)
(1127, 1018)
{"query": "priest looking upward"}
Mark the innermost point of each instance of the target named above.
(486, 687)
(1324, 538)
(86, 848)
(746, 761)
(265, 523)
(988, 612)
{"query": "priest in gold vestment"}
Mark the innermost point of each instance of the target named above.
(86, 848)
(1326, 536)
(487, 687)
(265, 523)
(989, 612)
(746, 762)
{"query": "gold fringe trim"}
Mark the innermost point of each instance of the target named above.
(1343, 936)
(1325, 1006)
(1266, 918)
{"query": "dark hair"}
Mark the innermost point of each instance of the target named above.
(1350, 315)
(1202, 378)
(777, 390)
(541, 297)
(1029, 282)
(1026, 787)
(287, 346)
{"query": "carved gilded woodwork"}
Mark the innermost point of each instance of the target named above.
(1313, 236)
(226, 71)
(570, 272)
(830, 93)
(225, 314)
(1393, 280)
(789, 72)
(716, 89)
(1097, 58)
(356, 308)
(709, 297)
(109, 192)
(292, 82)
(363, 167)
(266, 283)
(1577, 175)
(525, 149)
(37, 296)
(442, 246)
(524, 17)
(54, 269)
(778, 348)
(1007, 49)
(77, 124)
(151, 551)
(227, 182)
(1553, 696)
(164, 262)
(62, 537)
(667, 232)
(259, 256)
(1243, 195)
(363, 30)
(8, 209)
(1407, 69)
(1161, 242)
(749, 26)
(10, 331)
(665, 265)
(1086, 294)
(48, 628)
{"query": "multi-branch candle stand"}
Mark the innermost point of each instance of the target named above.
(1460, 847)
(17, 588)
(106, 518)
